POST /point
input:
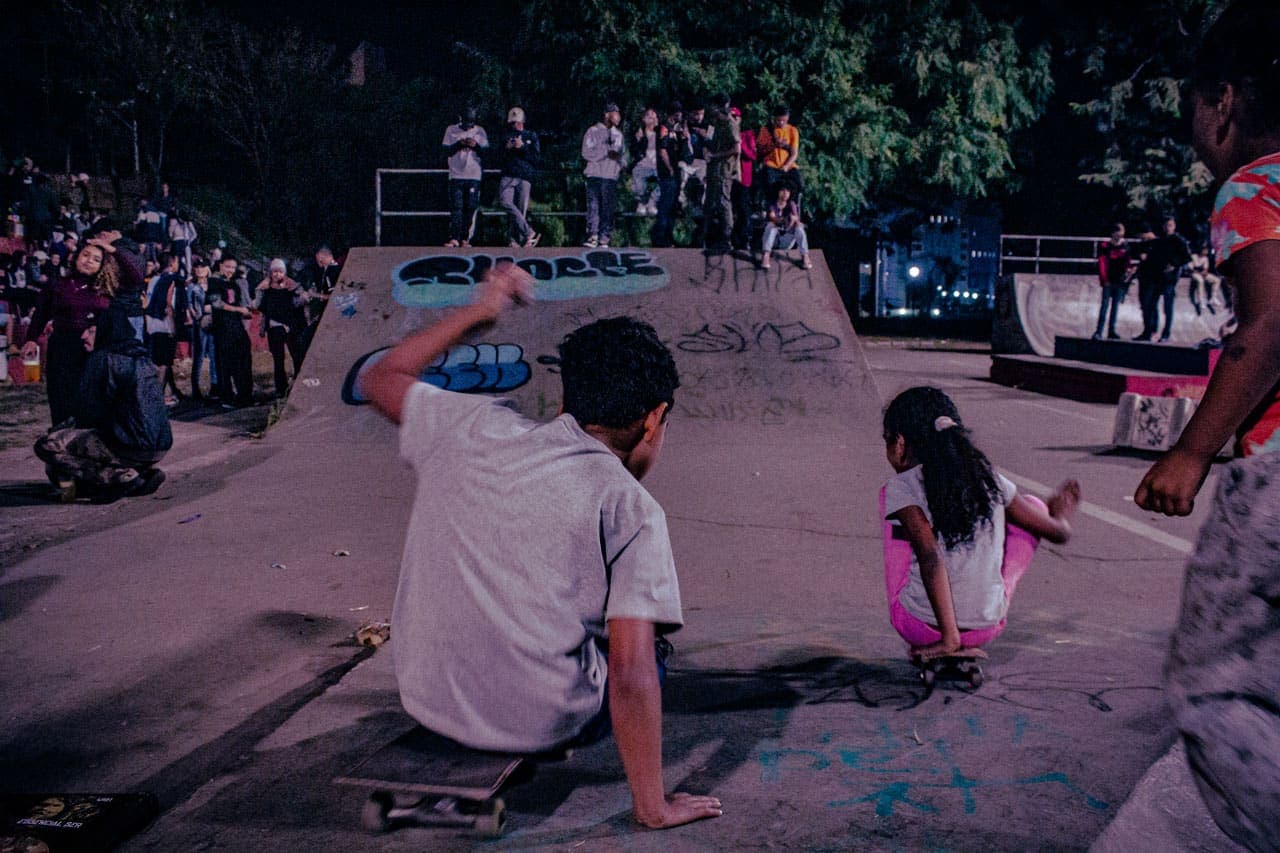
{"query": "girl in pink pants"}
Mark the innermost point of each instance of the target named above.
(958, 536)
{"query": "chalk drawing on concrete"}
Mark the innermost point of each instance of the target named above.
(466, 368)
(918, 779)
(444, 281)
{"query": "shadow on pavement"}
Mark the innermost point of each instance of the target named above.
(16, 596)
(97, 745)
(27, 493)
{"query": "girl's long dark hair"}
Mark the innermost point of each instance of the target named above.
(958, 481)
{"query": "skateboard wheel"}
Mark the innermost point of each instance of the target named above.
(927, 675)
(975, 678)
(376, 814)
(493, 823)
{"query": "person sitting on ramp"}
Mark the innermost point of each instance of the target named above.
(537, 578)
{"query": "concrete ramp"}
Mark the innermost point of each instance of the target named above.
(1033, 309)
(775, 433)
(197, 644)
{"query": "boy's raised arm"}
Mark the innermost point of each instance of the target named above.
(386, 383)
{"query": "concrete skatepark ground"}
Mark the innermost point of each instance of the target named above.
(155, 645)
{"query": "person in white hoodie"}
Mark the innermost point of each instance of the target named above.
(603, 148)
(463, 143)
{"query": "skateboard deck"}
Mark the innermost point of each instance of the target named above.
(72, 823)
(426, 779)
(964, 665)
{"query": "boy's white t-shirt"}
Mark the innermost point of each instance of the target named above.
(523, 540)
(977, 587)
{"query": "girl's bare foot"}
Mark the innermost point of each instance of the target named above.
(1062, 504)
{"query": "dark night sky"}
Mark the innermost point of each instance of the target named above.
(409, 31)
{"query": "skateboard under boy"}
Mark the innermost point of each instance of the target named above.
(426, 779)
(963, 665)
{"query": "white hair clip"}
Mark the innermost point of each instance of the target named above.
(943, 422)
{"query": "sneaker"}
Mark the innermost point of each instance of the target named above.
(466, 244)
(651, 208)
(145, 484)
(764, 261)
(1112, 336)
(515, 244)
(1164, 338)
(64, 491)
(604, 242)
(591, 242)
(533, 239)
(642, 209)
(452, 244)
(806, 263)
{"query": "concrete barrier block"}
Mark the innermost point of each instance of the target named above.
(1150, 423)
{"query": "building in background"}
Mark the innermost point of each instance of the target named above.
(942, 266)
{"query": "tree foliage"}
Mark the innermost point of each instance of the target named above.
(915, 100)
(1138, 66)
(137, 67)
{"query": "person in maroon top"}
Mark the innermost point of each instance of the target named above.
(1114, 259)
(101, 269)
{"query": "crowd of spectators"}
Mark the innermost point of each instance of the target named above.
(187, 302)
(89, 297)
(741, 189)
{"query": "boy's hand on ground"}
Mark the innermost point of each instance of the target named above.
(503, 286)
(1171, 485)
(1062, 503)
(681, 808)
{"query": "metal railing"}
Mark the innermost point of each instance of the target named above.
(1039, 247)
(379, 212)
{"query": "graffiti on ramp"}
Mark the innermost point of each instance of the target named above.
(447, 281)
(478, 368)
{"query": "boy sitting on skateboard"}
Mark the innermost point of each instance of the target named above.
(533, 549)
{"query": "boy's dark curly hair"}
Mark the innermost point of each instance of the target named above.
(959, 483)
(615, 371)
